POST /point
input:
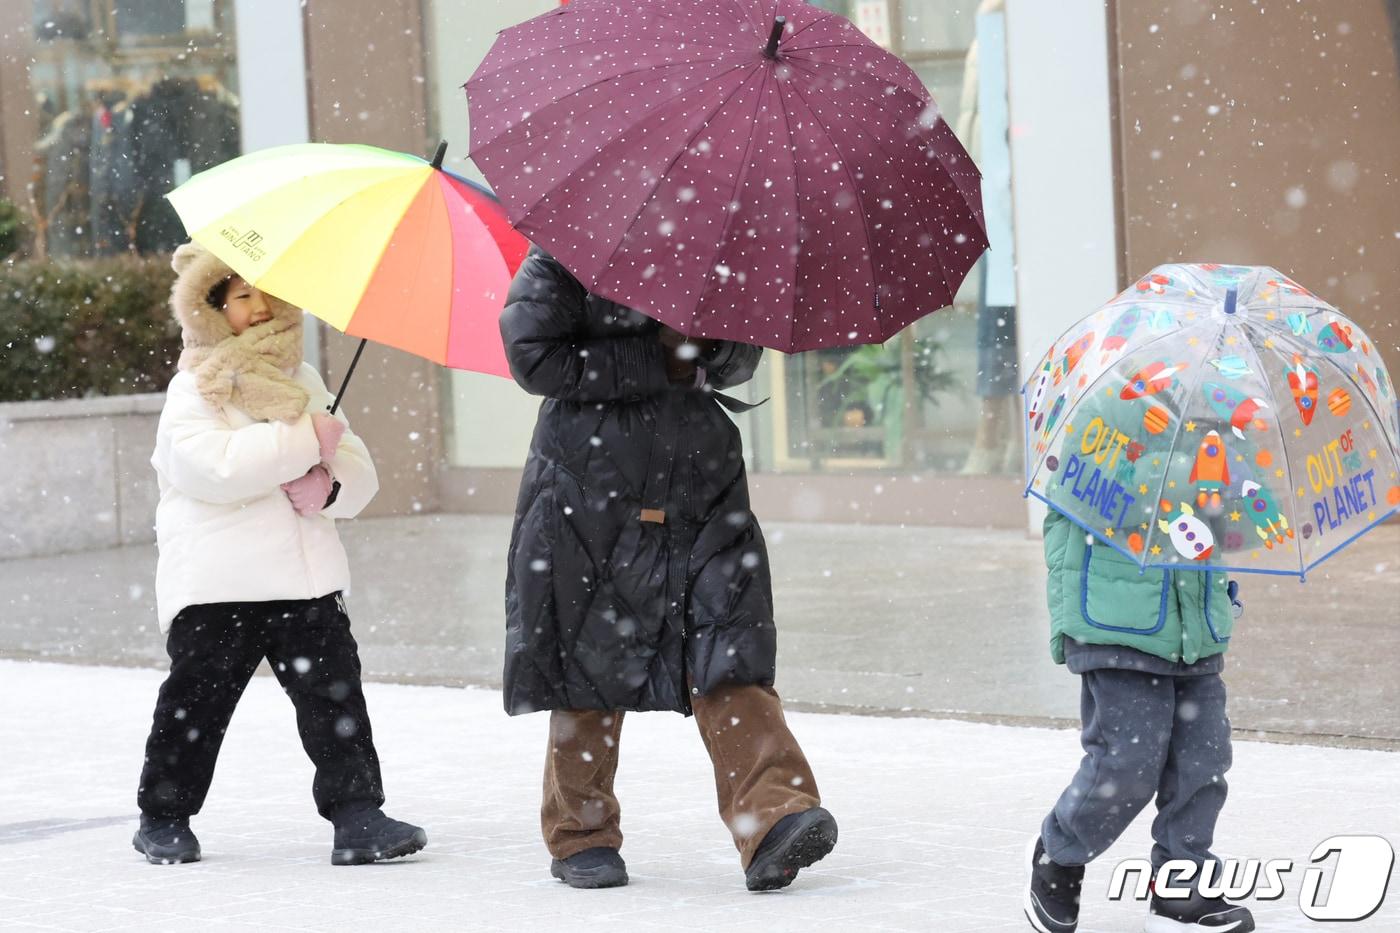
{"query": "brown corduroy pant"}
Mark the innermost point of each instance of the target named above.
(761, 774)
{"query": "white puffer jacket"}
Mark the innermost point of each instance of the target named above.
(226, 530)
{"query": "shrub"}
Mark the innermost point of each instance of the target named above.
(13, 229)
(79, 329)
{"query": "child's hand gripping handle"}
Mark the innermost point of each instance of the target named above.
(329, 431)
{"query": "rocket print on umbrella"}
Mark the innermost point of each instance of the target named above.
(1119, 334)
(1269, 521)
(1190, 536)
(1302, 382)
(1210, 474)
(1151, 380)
(1335, 337)
(1076, 352)
(1236, 408)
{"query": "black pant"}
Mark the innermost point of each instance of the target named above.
(214, 650)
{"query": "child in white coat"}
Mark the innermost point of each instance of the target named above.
(253, 474)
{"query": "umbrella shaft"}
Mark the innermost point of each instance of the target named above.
(335, 406)
(772, 50)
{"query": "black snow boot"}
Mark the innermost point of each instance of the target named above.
(1214, 914)
(166, 840)
(369, 836)
(599, 867)
(1052, 895)
(794, 842)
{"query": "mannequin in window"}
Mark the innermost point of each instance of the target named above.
(982, 127)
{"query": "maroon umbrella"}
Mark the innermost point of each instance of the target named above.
(756, 170)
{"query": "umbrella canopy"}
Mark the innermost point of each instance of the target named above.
(1219, 418)
(378, 244)
(753, 170)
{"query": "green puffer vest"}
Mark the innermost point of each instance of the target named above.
(1099, 597)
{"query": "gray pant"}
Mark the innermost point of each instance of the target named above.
(1145, 735)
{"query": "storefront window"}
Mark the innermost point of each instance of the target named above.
(132, 97)
(940, 396)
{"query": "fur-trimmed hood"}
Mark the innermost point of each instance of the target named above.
(251, 371)
(197, 271)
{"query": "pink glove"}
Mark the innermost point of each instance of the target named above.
(329, 431)
(310, 492)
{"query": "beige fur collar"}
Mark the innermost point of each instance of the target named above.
(249, 371)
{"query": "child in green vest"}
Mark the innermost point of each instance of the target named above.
(1149, 648)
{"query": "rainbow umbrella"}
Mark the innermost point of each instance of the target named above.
(380, 245)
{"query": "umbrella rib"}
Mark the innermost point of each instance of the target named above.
(1060, 428)
(924, 98)
(1283, 442)
(942, 268)
(864, 218)
(672, 63)
(394, 174)
(593, 40)
(1299, 347)
(320, 218)
(674, 159)
(747, 14)
(792, 316)
(574, 171)
(422, 259)
(730, 214)
(1180, 420)
(823, 16)
(923, 222)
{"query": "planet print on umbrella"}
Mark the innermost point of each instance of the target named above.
(1156, 420)
(1339, 402)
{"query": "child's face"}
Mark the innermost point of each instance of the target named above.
(245, 306)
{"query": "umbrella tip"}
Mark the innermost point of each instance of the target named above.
(778, 23)
(441, 151)
(1230, 297)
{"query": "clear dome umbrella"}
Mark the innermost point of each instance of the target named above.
(1216, 417)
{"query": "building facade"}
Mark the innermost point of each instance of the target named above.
(1112, 137)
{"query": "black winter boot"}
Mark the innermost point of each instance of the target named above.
(369, 836)
(599, 867)
(1197, 913)
(1052, 895)
(794, 842)
(166, 840)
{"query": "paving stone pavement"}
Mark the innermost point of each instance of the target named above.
(934, 818)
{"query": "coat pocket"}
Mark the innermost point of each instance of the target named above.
(1218, 607)
(1115, 596)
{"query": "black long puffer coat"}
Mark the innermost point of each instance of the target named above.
(609, 606)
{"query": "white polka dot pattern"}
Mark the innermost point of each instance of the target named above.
(813, 199)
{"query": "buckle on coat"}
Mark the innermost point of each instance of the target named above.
(655, 516)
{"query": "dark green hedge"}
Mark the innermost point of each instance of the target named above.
(77, 329)
(13, 230)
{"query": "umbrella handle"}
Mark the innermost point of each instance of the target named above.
(348, 373)
(772, 50)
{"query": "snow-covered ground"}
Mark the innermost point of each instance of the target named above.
(934, 818)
